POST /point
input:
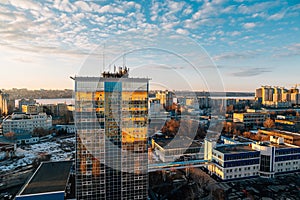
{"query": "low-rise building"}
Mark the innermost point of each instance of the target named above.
(277, 157)
(26, 122)
(234, 161)
(7, 149)
(292, 125)
(50, 181)
(289, 137)
(243, 160)
(67, 128)
(170, 149)
(250, 118)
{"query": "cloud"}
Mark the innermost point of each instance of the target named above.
(294, 47)
(261, 14)
(64, 5)
(182, 31)
(276, 16)
(187, 10)
(290, 50)
(229, 9)
(165, 67)
(258, 7)
(83, 6)
(251, 71)
(25, 4)
(109, 9)
(175, 6)
(249, 25)
(6, 17)
(236, 55)
(23, 60)
(195, 24)
(235, 33)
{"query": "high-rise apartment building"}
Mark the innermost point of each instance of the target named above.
(111, 115)
(277, 96)
(4, 98)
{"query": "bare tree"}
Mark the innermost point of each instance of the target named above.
(269, 123)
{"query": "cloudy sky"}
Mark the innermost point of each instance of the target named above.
(252, 43)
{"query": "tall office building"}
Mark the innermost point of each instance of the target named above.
(111, 115)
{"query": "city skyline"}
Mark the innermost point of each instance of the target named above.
(251, 43)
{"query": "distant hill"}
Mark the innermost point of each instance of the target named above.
(38, 94)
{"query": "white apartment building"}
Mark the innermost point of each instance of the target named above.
(264, 159)
(26, 122)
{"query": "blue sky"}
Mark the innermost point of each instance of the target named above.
(252, 43)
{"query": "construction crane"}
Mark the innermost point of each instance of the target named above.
(296, 85)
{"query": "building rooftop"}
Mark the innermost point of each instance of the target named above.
(288, 133)
(177, 142)
(226, 149)
(49, 177)
(237, 139)
(276, 145)
(108, 79)
(6, 140)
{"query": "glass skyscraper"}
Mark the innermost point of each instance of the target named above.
(111, 115)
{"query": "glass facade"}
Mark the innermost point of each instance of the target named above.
(111, 116)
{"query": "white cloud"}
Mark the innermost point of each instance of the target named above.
(236, 55)
(258, 7)
(64, 5)
(25, 4)
(157, 8)
(187, 10)
(182, 31)
(276, 16)
(83, 6)
(77, 16)
(169, 25)
(109, 9)
(261, 14)
(133, 4)
(251, 71)
(235, 33)
(218, 32)
(175, 6)
(101, 19)
(228, 9)
(249, 25)
(5, 17)
(209, 9)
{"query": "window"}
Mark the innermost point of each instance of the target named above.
(265, 163)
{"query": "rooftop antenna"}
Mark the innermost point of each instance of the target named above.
(124, 58)
(103, 58)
